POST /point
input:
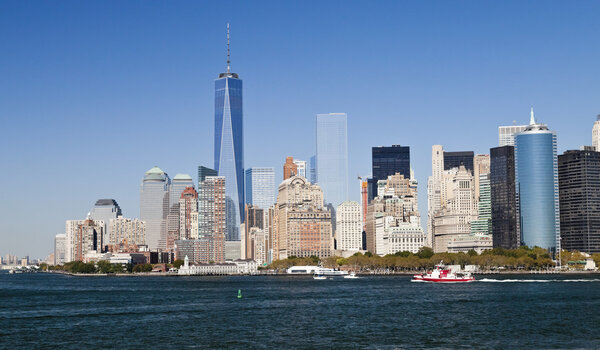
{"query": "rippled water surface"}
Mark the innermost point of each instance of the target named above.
(529, 311)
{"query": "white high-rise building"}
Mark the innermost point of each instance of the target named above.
(60, 249)
(332, 157)
(126, 232)
(260, 187)
(596, 134)
(349, 226)
(506, 134)
(301, 170)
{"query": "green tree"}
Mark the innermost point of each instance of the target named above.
(177, 263)
(142, 268)
(425, 253)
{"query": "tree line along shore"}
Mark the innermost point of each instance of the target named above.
(497, 260)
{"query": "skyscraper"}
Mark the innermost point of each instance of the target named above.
(203, 172)
(481, 165)
(483, 224)
(506, 134)
(312, 176)
(537, 186)
(332, 157)
(579, 185)
(387, 161)
(260, 187)
(106, 209)
(456, 159)
(229, 145)
(188, 214)
(349, 226)
(60, 249)
(596, 134)
(154, 207)
(505, 223)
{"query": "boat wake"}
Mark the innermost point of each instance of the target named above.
(536, 281)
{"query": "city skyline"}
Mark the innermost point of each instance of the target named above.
(109, 112)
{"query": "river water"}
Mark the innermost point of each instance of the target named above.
(502, 312)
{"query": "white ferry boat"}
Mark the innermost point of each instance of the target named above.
(314, 270)
(441, 274)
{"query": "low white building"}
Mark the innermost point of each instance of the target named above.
(464, 243)
(236, 267)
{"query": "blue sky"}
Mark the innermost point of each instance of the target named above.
(94, 93)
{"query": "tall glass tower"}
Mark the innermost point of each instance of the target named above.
(260, 187)
(332, 157)
(229, 145)
(536, 174)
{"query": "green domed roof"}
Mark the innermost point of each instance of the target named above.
(182, 177)
(155, 171)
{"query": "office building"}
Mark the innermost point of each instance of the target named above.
(229, 145)
(255, 217)
(348, 226)
(154, 207)
(260, 187)
(105, 210)
(203, 172)
(456, 159)
(332, 157)
(483, 224)
(579, 186)
(537, 186)
(481, 165)
(60, 249)
(596, 134)
(312, 176)
(506, 134)
(505, 223)
(386, 161)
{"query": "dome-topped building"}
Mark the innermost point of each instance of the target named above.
(154, 206)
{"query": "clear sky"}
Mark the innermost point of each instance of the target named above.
(94, 93)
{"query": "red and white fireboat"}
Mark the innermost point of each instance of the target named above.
(441, 274)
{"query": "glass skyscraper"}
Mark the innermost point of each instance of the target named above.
(536, 175)
(154, 207)
(260, 187)
(387, 161)
(229, 146)
(456, 159)
(332, 157)
(505, 226)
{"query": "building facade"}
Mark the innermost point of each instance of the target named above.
(537, 186)
(260, 187)
(301, 168)
(579, 185)
(83, 236)
(126, 234)
(505, 223)
(212, 215)
(60, 249)
(506, 134)
(154, 207)
(332, 156)
(483, 224)
(348, 226)
(178, 184)
(386, 161)
(596, 134)
(188, 214)
(302, 225)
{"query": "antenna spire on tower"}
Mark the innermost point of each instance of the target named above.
(228, 58)
(532, 118)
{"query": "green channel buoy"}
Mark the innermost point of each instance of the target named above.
(239, 294)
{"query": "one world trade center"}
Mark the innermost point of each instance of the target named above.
(229, 145)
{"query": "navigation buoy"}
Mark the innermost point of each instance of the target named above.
(239, 294)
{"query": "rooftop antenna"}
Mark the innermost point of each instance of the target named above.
(228, 59)
(532, 118)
